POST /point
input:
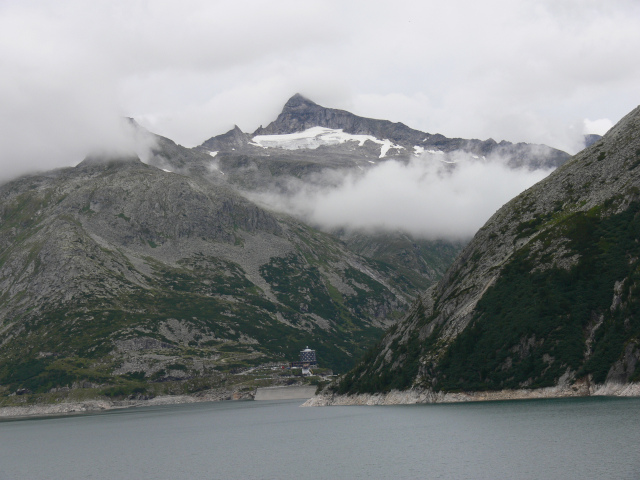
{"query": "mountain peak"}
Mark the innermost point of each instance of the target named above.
(298, 101)
(234, 138)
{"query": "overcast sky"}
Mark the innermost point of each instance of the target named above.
(536, 71)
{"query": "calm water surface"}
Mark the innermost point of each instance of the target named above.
(591, 438)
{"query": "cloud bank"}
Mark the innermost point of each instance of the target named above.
(598, 127)
(426, 197)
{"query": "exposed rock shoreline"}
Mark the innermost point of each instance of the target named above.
(101, 405)
(395, 397)
(409, 397)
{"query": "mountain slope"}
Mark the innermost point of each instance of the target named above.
(413, 263)
(128, 279)
(545, 294)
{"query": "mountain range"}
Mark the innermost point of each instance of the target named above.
(124, 278)
(377, 140)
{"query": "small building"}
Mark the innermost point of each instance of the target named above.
(307, 360)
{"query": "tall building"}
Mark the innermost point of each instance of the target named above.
(307, 360)
(308, 356)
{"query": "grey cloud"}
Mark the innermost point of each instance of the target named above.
(426, 197)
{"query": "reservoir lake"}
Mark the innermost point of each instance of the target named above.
(577, 438)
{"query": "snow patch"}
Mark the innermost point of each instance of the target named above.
(418, 150)
(315, 137)
(386, 146)
(435, 152)
(213, 154)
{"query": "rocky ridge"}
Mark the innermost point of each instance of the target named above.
(300, 114)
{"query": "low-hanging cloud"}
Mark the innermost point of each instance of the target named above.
(58, 96)
(426, 197)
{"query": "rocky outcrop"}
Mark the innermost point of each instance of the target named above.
(300, 113)
(232, 140)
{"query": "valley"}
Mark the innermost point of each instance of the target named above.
(128, 279)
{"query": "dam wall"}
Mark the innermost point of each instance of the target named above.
(285, 393)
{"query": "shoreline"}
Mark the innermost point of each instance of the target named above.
(411, 397)
(279, 392)
(395, 397)
(98, 405)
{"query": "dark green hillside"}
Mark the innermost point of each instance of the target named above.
(531, 326)
(547, 292)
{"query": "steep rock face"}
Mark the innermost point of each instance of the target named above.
(545, 294)
(125, 278)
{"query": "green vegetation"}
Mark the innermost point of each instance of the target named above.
(532, 325)
(375, 374)
(75, 344)
(411, 265)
